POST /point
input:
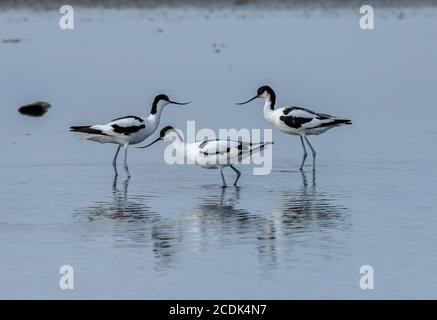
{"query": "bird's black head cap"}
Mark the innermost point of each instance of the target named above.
(165, 130)
(158, 98)
(270, 91)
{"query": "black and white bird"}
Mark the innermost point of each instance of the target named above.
(211, 154)
(127, 130)
(296, 120)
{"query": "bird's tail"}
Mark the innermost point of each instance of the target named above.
(85, 129)
(342, 121)
(255, 147)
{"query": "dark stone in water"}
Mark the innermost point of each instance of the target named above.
(37, 109)
(11, 40)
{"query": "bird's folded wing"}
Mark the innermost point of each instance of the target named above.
(301, 118)
(299, 112)
(214, 147)
(138, 119)
(127, 122)
(122, 126)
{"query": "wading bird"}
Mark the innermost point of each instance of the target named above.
(211, 154)
(127, 130)
(296, 121)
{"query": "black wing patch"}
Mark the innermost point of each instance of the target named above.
(127, 117)
(205, 142)
(320, 116)
(244, 146)
(288, 110)
(127, 130)
(216, 153)
(336, 122)
(87, 129)
(294, 122)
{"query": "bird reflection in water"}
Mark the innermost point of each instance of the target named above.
(217, 218)
(305, 217)
(296, 219)
(167, 237)
(309, 208)
(219, 222)
(120, 206)
(134, 224)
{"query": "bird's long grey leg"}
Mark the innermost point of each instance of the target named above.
(114, 161)
(223, 178)
(304, 153)
(222, 197)
(304, 179)
(125, 160)
(313, 152)
(314, 179)
(114, 184)
(238, 175)
(125, 186)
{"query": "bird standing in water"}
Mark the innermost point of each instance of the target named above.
(296, 120)
(211, 154)
(127, 130)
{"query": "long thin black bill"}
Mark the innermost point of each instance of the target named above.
(150, 144)
(241, 103)
(180, 103)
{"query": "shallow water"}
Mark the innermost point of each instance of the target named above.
(171, 231)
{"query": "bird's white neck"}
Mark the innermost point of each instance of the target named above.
(179, 145)
(268, 109)
(154, 118)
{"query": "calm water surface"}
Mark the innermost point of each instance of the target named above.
(171, 231)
